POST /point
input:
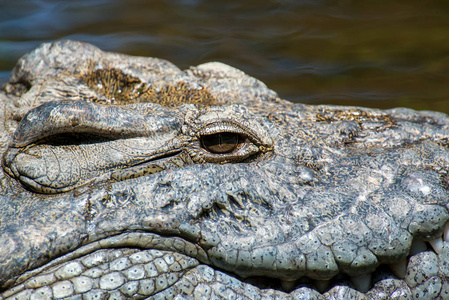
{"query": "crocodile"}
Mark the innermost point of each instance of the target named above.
(128, 178)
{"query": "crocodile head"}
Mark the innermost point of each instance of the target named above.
(127, 177)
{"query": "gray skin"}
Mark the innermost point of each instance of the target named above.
(232, 193)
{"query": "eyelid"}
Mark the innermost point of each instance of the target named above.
(113, 122)
(220, 126)
(227, 126)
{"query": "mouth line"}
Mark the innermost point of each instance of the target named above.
(143, 241)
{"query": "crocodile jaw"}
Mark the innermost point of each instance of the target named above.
(104, 267)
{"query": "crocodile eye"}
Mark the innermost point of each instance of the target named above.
(221, 143)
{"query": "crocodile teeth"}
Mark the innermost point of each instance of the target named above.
(288, 285)
(362, 282)
(399, 268)
(322, 285)
(418, 246)
(446, 233)
(437, 244)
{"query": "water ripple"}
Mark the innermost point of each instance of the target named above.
(380, 53)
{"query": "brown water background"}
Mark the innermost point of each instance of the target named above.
(367, 53)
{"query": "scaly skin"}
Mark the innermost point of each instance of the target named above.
(127, 177)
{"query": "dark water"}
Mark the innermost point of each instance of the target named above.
(368, 53)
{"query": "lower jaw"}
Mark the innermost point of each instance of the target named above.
(140, 271)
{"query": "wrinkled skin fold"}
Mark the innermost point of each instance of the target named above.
(126, 177)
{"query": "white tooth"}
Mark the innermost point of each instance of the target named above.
(288, 285)
(446, 233)
(362, 282)
(399, 268)
(437, 244)
(418, 246)
(322, 285)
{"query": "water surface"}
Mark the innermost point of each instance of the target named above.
(367, 53)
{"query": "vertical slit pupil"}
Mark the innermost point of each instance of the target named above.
(222, 142)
